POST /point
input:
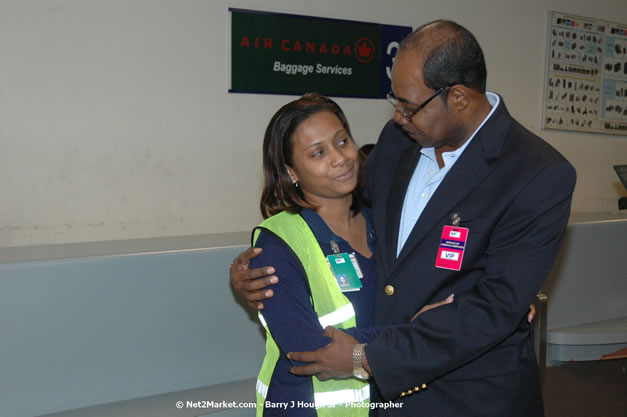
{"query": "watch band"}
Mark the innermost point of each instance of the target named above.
(358, 369)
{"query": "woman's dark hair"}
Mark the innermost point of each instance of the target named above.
(279, 193)
(457, 59)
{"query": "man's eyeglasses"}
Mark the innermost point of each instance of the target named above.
(409, 112)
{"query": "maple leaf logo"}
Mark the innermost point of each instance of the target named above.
(364, 50)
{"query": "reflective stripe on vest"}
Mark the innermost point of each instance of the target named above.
(345, 396)
(338, 316)
(262, 388)
(262, 320)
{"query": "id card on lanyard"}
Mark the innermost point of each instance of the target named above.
(345, 269)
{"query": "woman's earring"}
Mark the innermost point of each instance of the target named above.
(294, 181)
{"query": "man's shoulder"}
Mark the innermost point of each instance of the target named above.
(520, 142)
(525, 156)
(526, 144)
(518, 153)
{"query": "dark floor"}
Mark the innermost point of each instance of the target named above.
(587, 389)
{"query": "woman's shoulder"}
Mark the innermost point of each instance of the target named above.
(268, 241)
(286, 226)
(274, 249)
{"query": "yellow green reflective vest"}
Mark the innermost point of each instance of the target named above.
(333, 398)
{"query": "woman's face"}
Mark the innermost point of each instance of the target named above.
(325, 160)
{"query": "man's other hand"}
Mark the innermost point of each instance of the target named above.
(335, 360)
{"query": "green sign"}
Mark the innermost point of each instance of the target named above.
(274, 53)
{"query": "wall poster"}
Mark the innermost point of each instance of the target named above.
(586, 76)
(276, 53)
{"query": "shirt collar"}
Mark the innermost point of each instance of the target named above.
(494, 100)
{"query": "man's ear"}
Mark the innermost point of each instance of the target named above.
(459, 97)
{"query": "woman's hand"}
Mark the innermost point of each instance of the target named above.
(530, 315)
(428, 307)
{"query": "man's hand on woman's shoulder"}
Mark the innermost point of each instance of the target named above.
(252, 283)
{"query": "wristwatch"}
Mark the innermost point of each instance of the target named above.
(358, 369)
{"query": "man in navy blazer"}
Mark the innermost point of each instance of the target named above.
(465, 200)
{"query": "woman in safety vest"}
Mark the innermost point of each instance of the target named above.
(321, 243)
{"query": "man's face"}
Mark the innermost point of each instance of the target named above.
(433, 125)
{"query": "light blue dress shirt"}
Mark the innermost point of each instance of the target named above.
(427, 177)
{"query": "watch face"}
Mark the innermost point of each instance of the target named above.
(361, 373)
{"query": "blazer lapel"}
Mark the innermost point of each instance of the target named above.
(404, 170)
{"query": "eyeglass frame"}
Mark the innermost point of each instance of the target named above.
(403, 111)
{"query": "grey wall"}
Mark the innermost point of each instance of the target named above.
(588, 282)
(85, 331)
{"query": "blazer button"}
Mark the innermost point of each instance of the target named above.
(389, 290)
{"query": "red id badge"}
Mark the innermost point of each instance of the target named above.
(452, 246)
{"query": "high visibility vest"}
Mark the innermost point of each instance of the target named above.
(332, 398)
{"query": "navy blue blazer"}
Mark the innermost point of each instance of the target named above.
(512, 191)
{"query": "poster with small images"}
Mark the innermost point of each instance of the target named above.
(586, 78)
